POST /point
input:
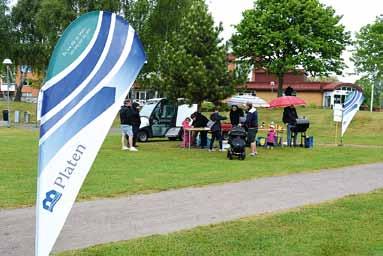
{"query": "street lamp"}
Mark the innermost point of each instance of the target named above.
(8, 63)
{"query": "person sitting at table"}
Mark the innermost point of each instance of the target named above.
(186, 136)
(200, 121)
(216, 132)
(235, 115)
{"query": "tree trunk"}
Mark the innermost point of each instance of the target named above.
(19, 87)
(18, 92)
(280, 85)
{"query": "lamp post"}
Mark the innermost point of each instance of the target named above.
(372, 96)
(8, 63)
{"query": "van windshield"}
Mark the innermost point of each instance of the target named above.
(148, 108)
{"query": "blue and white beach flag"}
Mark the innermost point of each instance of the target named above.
(351, 105)
(90, 73)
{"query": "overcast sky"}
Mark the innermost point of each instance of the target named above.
(355, 14)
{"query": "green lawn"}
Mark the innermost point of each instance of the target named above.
(365, 129)
(350, 226)
(162, 165)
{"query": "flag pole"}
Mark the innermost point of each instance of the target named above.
(341, 128)
(336, 132)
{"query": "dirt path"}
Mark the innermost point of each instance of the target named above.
(109, 220)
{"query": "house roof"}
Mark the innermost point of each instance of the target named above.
(301, 87)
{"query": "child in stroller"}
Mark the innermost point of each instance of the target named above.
(237, 142)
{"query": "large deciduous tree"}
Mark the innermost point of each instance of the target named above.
(281, 36)
(193, 63)
(368, 57)
(5, 31)
(28, 46)
(51, 20)
(159, 19)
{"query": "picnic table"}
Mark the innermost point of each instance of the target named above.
(195, 129)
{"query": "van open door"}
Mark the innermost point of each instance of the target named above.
(183, 111)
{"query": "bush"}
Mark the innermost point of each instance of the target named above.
(313, 105)
(207, 106)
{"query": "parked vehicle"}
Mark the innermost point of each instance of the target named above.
(162, 118)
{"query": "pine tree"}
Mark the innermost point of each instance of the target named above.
(193, 63)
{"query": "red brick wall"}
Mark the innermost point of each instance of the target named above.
(262, 77)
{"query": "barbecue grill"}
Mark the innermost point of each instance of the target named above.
(301, 125)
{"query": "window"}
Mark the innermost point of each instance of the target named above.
(142, 95)
(27, 94)
(337, 99)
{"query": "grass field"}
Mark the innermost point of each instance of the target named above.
(162, 165)
(350, 226)
(365, 129)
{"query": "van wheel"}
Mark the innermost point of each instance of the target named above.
(142, 136)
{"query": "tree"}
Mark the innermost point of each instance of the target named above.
(194, 61)
(38, 24)
(28, 47)
(138, 12)
(51, 20)
(368, 57)
(325, 79)
(5, 31)
(159, 19)
(283, 35)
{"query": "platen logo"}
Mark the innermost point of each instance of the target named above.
(51, 199)
(63, 179)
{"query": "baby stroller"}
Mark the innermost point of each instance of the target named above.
(237, 142)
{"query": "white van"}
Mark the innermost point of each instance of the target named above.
(162, 118)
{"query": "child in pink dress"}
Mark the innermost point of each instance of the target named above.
(271, 135)
(185, 140)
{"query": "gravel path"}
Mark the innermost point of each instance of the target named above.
(108, 220)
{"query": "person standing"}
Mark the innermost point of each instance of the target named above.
(200, 121)
(235, 115)
(289, 91)
(136, 122)
(271, 136)
(186, 140)
(126, 116)
(251, 124)
(290, 118)
(216, 132)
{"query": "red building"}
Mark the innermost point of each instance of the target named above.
(324, 94)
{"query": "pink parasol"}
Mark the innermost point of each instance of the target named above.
(286, 101)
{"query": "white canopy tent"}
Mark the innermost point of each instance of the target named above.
(244, 99)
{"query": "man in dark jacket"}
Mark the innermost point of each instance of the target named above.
(136, 122)
(216, 130)
(251, 124)
(289, 91)
(126, 119)
(200, 121)
(290, 118)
